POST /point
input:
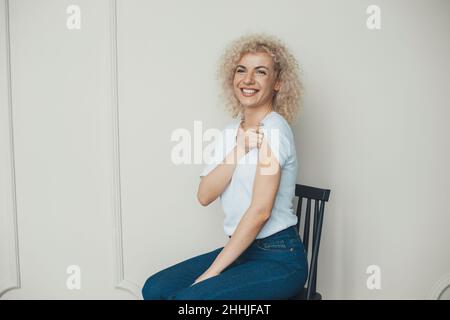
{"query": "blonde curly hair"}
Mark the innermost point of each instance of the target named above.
(288, 100)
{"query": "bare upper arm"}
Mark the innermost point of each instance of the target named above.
(267, 179)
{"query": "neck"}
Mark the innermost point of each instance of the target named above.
(253, 116)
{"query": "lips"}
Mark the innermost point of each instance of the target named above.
(249, 92)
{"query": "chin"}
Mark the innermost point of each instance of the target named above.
(248, 105)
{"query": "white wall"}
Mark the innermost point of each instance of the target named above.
(62, 129)
(373, 130)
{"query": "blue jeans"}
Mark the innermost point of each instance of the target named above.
(274, 267)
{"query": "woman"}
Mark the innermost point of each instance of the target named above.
(254, 171)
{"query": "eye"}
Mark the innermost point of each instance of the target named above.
(261, 72)
(239, 70)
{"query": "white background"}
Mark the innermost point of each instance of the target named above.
(77, 113)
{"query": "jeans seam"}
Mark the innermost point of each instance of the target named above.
(287, 248)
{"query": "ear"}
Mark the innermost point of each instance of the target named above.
(277, 86)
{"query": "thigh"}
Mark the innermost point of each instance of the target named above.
(254, 279)
(165, 282)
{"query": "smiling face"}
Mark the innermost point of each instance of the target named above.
(255, 80)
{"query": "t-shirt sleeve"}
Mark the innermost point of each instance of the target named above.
(217, 156)
(279, 142)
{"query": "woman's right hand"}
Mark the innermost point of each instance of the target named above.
(249, 139)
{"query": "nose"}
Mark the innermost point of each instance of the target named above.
(249, 79)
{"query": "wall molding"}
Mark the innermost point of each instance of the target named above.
(120, 282)
(439, 287)
(13, 282)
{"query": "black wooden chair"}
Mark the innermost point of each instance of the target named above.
(320, 196)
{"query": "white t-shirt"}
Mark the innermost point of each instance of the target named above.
(237, 196)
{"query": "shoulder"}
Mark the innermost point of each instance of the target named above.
(279, 136)
(278, 122)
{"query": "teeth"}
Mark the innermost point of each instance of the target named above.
(248, 91)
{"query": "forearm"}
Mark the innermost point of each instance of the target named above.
(248, 228)
(212, 185)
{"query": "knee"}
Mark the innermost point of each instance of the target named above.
(152, 289)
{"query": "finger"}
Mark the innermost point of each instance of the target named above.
(260, 140)
(260, 130)
(259, 126)
(250, 134)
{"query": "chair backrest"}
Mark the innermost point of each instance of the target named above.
(320, 196)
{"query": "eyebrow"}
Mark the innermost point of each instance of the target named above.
(240, 65)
